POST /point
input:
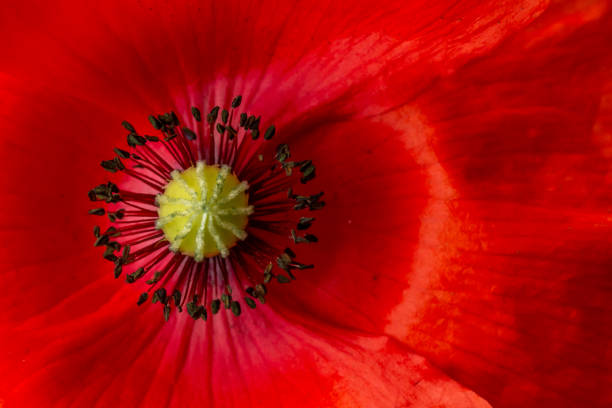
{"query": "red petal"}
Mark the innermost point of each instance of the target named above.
(102, 66)
(48, 159)
(510, 293)
(147, 53)
(121, 357)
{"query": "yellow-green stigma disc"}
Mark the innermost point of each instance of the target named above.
(204, 211)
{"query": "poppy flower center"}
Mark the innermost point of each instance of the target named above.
(203, 211)
(211, 221)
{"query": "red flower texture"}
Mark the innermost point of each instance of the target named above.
(463, 253)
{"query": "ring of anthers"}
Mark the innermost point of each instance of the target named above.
(203, 231)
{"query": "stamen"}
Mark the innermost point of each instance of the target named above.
(201, 239)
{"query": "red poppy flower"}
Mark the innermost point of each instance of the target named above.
(463, 258)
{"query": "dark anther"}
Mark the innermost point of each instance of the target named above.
(134, 140)
(126, 254)
(96, 231)
(282, 279)
(143, 298)
(113, 199)
(112, 187)
(243, 119)
(300, 266)
(236, 308)
(297, 239)
(119, 164)
(215, 305)
(236, 102)
(255, 134)
(117, 270)
(267, 277)
(155, 122)
(109, 165)
(156, 277)
(166, 312)
(98, 194)
(308, 173)
(102, 240)
(109, 254)
(192, 308)
(196, 113)
(288, 167)
(305, 223)
(132, 277)
(282, 153)
(255, 124)
(270, 132)
(197, 311)
(189, 134)
(231, 132)
(250, 302)
(160, 296)
(306, 239)
(97, 211)
(121, 153)
(115, 245)
(311, 238)
(117, 215)
(151, 138)
(175, 119)
(112, 232)
(260, 290)
(169, 119)
(220, 128)
(176, 297)
(250, 121)
(128, 126)
(212, 116)
(224, 116)
(226, 299)
(312, 202)
(304, 165)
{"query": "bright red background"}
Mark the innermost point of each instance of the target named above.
(464, 255)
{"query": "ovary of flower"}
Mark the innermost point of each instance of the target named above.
(203, 211)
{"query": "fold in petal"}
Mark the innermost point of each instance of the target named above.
(510, 292)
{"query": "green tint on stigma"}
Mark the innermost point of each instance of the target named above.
(203, 211)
